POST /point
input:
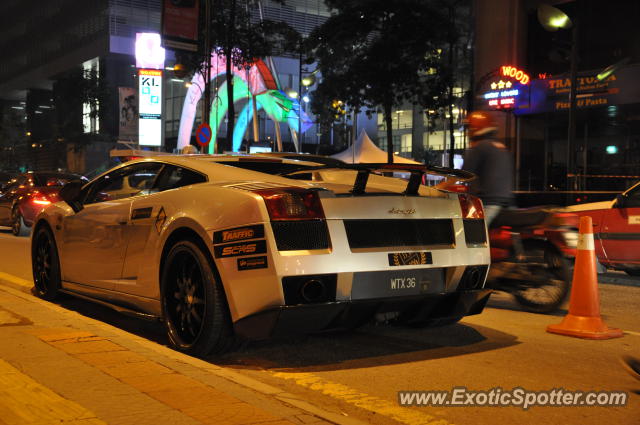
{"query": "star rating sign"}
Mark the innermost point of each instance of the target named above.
(500, 84)
(508, 84)
(494, 86)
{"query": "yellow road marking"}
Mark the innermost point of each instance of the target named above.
(24, 401)
(364, 401)
(17, 280)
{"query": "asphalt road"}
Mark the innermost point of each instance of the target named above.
(359, 373)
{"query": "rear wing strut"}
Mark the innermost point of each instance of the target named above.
(417, 171)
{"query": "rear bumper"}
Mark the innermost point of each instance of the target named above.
(312, 318)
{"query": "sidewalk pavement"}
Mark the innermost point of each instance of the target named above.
(59, 367)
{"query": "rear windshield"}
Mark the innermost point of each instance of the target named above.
(53, 179)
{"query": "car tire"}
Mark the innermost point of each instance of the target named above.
(45, 264)
(18, 228)
(194, 305)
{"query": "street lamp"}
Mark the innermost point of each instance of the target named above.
(552, 19)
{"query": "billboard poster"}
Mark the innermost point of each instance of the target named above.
(180, 24)
(150, 107)
(128, 107)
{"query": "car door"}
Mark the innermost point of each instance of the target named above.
(94, 240)
(148, 215)
(620, 232)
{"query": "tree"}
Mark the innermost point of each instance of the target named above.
(76, 89)
(237, 33)
(379, 54)
(457, 61)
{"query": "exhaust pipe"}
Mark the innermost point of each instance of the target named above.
(313, 290)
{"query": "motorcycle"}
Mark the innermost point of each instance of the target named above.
(530, 256)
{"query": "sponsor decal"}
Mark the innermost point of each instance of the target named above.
(139, 213)
(252, 263)
(237, 249)
(160, 219)
(239, 234)
(634, 219)
(410, 258)
(399, 211)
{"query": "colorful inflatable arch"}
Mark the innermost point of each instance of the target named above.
(256, 82)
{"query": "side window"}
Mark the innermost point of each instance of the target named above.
(174, 177)
(134, 180)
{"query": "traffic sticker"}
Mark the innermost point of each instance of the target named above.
(203, 134)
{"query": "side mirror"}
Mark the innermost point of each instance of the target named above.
(620, 201)
(70, 193)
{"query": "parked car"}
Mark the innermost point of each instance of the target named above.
(26, 194)
(616, 230)
(5, 178)
(220, 247)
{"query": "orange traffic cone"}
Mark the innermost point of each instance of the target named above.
(583, 320)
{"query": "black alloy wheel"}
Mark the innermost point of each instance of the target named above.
(194, 305)
(45, 264)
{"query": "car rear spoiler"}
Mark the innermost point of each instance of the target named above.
(417, 171)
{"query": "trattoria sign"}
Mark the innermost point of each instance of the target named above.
(552, 94)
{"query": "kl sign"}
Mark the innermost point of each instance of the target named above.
(150, 104)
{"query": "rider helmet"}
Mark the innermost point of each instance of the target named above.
(480, 123)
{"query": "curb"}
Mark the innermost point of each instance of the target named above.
(20, 290)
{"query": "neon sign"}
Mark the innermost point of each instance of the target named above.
(515, 73)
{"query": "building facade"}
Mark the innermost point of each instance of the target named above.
(67, 64)
(604, 154)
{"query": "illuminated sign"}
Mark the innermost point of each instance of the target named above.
(515, 73)
(509, 86)
(149, 52)
(150, 107)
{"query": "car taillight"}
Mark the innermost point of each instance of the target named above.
(292, 204)
(40, 200)
(471, 206)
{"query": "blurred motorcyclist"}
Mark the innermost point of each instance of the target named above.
(491, 161)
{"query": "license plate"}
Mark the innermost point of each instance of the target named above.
(384, 284)
(410, 258)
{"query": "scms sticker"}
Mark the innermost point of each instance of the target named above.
(237, 249)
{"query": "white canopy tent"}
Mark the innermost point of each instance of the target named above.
(364, 150)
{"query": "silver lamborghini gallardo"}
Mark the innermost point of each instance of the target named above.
(232, 246)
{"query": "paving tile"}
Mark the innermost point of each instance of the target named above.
(199, 396)
(164, 382)
(110, 358)
(88, 347)
(236, 414)
(144, 368)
